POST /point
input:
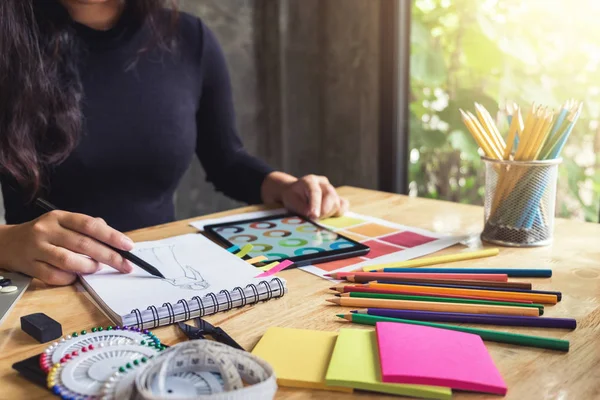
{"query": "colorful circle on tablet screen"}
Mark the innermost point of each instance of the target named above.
(263, 225)
(243, 238)
(229, 229)
(275, 256)
(341, 245)
(277, 233)
(308, 228)
(293, 242)
(292, 221)
(325, 236)
(261, 248)
(308, 250)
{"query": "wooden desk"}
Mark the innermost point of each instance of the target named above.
(530, 373)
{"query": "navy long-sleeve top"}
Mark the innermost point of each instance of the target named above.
(146, 115)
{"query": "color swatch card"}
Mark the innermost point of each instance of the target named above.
(423, 355)
(355, 364)
(388, 241)
(300, 357)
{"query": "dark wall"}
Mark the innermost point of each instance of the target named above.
(305, 75)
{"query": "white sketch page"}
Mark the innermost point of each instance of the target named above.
(192, 265)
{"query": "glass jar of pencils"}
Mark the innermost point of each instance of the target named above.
(520, 199)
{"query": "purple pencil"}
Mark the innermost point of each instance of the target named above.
(504, 320)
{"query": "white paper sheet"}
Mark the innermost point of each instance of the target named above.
(192, 265)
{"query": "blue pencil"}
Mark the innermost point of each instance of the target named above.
(513, 273)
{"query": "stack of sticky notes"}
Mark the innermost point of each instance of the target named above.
(402, 359)
(431, 356)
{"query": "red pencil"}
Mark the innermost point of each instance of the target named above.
(366, 289)
(394, 275)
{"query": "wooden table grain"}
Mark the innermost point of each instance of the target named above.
(529, 373)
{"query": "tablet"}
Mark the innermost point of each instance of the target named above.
(287, 237)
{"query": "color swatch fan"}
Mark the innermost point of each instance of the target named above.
(432, 356)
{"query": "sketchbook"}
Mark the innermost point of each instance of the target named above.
(201, 278)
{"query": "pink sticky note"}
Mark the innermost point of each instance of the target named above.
(281, 266)
(422, 355)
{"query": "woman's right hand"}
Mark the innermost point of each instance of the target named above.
(53, 247)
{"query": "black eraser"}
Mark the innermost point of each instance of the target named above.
(41, 327)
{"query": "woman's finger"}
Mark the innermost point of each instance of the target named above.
(82, 244)
(67, 260)
(314, 194)
(51, 275)
(344, 207)
(95, 228)
(331, 201)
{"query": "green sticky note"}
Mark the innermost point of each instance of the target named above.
(355, 364)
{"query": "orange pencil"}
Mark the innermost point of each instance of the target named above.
(391, 275)
(344, 288)
(433, 306)
(495, 294)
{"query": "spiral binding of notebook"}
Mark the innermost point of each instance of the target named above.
(200, 306)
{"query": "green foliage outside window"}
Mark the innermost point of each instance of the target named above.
(493, 52)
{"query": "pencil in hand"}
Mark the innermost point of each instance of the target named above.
(47, 206)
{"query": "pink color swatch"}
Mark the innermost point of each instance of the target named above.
(281, 266)
(423, 355)
(407, 239)
(378, 249)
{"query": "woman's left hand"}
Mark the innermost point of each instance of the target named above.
(312, 196)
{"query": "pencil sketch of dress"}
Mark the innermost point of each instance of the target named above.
(167, 256)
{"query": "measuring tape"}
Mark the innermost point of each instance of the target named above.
(128, 363)
(184, 371)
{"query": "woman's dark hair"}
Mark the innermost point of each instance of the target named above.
(40, 89)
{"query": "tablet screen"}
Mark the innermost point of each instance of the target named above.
(284, 237)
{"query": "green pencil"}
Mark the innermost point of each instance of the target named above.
(485, 334)
(368, 295)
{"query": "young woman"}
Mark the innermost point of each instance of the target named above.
(103, 104)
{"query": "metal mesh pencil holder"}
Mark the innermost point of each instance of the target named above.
(520, 199)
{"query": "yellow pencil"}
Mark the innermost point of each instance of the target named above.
(425, 261)
(479, 136)
(491, 126)
(526, 134)
(487, 135)
(544, 134)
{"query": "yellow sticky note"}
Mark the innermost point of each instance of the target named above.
(268, 267)
(355, 364)
(300, 357)
(256, 260)
(244, 250)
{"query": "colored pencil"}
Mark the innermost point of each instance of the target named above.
(512, 273)
(464, 282)
(536, 297)
(417, 274)
(502, 320)
(430, 306)
(437, 299)
(485, 334)
(366, 289)
(425, 261)
(460, 286)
